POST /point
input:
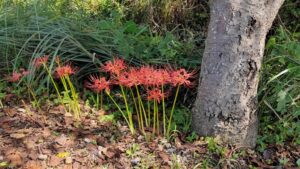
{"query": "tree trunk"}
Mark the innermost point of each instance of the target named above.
(226, 104)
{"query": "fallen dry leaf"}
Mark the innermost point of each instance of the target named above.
(25, 130)
(68, 166)
(10, 112)
(109, 154)
(76, 165)
(46, 132)
(111, 166)
(15, 159)
(68, 117)
(9, 151)
(164, 156)
(42, 157)
(101, 140)
(32, 155)
(112, 152)
(32, 165)
(9, 96)
(68, 160)
(17, 135)
(30, 144)
(22, 110)
(57, 110)
(62, 139)
(101, 112)
(54, 161)
(178, 143)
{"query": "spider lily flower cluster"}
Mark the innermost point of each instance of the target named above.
(16, 76)
(144, 92)
(69, 98)
(63, 72)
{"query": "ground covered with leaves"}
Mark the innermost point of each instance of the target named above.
(48, 138)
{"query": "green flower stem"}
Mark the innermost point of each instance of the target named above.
(127, 109)
(72, 88)
(172, 111)
(97, 101)
(154, 116)
(123, 114)
(157, 117)
(52, 80)
(33, 96)
(139, 120)
(63, 80)
(149, 112)
(101, 100)
(125, 99)
(136, 108)
(142, 105)
(75, 106)
(164, 110)
(70, 106)
(138, 111)
(141, 115)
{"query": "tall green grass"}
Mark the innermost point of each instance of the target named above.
(280, 89)
(31, 28)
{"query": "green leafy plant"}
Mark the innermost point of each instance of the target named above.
(175, 162)
(131, 152)
(192, 137)
(298, 162)
(283, 161)
(2, 93)
(279, 91)
(213, 147)
(182, 119)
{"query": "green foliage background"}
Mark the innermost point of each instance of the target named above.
(279, 85)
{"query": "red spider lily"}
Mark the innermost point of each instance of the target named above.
(97, 84)
(15, 77)
(166, 76)
(149, 76)
(134, 76)
(63, 71)
(146, 75)
(40, 61)
(161, 77)
(155, 94)
(123, 80)
(130, 78)
(115, 67)
(24, 72)
(181, 77)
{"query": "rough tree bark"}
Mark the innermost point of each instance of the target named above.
(226, 104)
